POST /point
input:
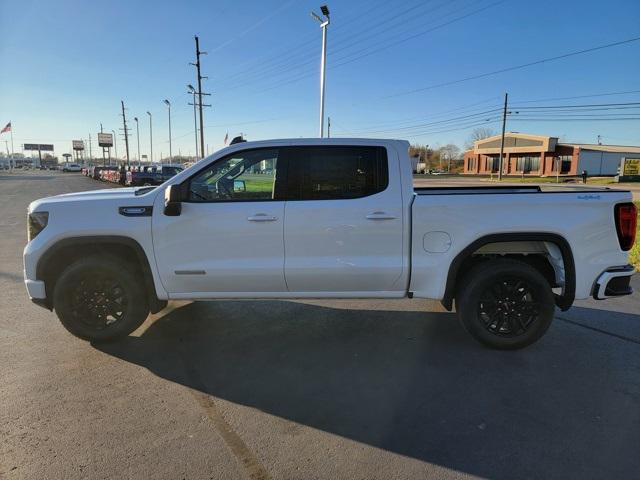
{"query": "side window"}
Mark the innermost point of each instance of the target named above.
(242, 176)
(329, 173)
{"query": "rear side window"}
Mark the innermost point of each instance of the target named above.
(336, 172)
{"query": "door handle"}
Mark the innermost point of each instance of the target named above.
(380, 216)
(262, 217)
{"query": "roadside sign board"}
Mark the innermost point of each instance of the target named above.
(105, 140)
(631, 166)
(78, 144)
(38, 146)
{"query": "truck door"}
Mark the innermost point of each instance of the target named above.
(343, 220)
(228, 239)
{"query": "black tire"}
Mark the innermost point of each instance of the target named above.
(100, 299)
(505, 304)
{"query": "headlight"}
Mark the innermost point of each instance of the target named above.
(36, 223)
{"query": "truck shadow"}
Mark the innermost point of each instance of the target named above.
(412, 383)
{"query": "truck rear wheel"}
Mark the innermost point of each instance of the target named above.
(505, 304)
(100, 299)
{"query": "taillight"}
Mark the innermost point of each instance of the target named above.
(626, 222)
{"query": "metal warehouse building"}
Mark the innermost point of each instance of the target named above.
(538, 155)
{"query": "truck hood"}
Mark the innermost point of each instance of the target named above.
(107, 194)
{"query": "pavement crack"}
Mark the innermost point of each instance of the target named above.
(599, 330)
(245, 456)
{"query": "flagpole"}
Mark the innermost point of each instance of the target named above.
(11, 131)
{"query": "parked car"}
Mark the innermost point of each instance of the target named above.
(337, 219)
(107, 172)
(152, 175)
(71, 167)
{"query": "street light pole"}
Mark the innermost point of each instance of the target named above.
(168, 103)
(324, 22)
(138, 137)
(150, 138)
(192, 90)
(115, 145)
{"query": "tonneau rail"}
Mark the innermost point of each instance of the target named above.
(509, 189)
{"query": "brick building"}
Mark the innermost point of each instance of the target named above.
(539, 155)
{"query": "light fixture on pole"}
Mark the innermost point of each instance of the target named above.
(168, 104)
(192, 91)
(138, 137)
(324, 22)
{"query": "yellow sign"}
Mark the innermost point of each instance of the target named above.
(631, 166)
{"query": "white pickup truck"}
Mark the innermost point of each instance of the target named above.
(326, 218)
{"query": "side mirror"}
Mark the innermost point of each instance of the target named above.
(172, 201)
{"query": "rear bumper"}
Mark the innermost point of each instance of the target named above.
(614, 282)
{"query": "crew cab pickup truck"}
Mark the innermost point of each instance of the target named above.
(327, 218)
(151, 175)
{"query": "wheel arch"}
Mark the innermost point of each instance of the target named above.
(61, 253)
(456, 269)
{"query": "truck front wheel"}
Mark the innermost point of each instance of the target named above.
(505, 304)
(100, 299)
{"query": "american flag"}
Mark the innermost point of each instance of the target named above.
(7, 128)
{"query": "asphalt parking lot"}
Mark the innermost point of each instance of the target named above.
(305, 390)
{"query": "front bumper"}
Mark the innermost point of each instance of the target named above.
(35, 289)
(614, 282)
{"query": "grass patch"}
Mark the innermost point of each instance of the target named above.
(634, 254)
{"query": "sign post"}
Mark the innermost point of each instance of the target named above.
(78, 147)
(105, 140)
(40, 147)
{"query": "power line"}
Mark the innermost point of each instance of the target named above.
(344, 60)
(625, 104)
(293, 62)
(578, 96)
(277, 60)
(516, 67)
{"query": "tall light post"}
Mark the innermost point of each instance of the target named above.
(115, 145)
(192, 91)
(168, 104)
(138, 137)
(324, 22)
(150, 138)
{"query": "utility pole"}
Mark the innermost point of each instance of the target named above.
(328, 127)
(150, 137)
(504, 124)
(138, 137)
(324, 22)
(192, 91)
(104, 160)
(90, 154)
(126, 132)
(200, 93)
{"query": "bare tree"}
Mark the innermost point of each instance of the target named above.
(479, 133)
(449, 153)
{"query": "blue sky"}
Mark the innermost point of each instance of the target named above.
(65, 66)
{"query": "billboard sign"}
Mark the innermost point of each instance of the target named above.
(38, 146)
(78, 144)
(105, 140)
(631, 167)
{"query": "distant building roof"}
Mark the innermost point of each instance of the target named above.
(604, 148)
(517, 142)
